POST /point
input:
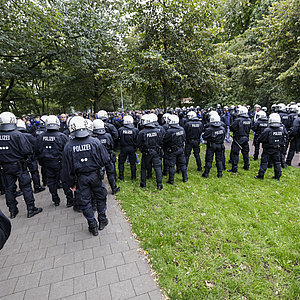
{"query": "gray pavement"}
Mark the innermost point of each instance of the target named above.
(53, 256)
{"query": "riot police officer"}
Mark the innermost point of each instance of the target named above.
(149, 141)
(271, 139)
(14, 150)
(107, 141)
(174, 144)
(193, 130)
(295, 138)
(84, 159)
(49, 147)
(241, 129)
(214, 134)
(259, 126)
(128, 136)
(110, 128)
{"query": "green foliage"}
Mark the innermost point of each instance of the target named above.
(228, 238)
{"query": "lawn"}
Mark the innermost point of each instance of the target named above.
(229, 238)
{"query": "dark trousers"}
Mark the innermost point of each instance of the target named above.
(195, 146)
(129, 152)
(256, 148)
(44, 175)
(171, 159)
(91, 187)
(218, 151)
(291, 152)
(34, 171)
(151, 159)
(12, 173)
(270, 155)
(241, 144)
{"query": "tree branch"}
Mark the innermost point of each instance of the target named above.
(11, 84)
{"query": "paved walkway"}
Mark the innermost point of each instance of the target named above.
(53, 256)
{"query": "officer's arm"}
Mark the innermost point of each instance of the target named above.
(139, 140)
(25, 145)
(234, 126)
(264, 136)
(5, 228)
(68, 171)
(206, 134)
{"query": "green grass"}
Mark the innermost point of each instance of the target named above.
(225, 238)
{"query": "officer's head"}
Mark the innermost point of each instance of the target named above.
(191, 115)
(89, 126)
(99, 126)
(21, 126)
(173, 120)
(298, 111)
(78, 127)
(274, 120)
(52, 123)
(8, 121)
(147, 121)
(257, 107)
(153, 117)
(281, 107)
(215, 119)
(293, 108)
(102, 115)
(212, 114)
(43, 121)
(243, 111)
(63, 117)
(264, 109)
(261, 115)
(165, 117)
(128, 120)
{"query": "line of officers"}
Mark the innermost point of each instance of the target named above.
(78, 158)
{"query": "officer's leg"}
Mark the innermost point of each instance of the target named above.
(182, 165)
(25, 186)
(188, 151)
(33, 169)
(171, 161)
(111, 180)
(85, 199)
(291, 152)
(256, 148)
(196, 148)
(143, 170)
(263, 164)
(52, 175)
(165, 168)
(219, 160)
(277, 164)
(122, 159)
(10, 189)
(44, 175)
(132, 160)
(156, 159)
(68, 193)
(209, 156)
(235, 150)
(245, 152)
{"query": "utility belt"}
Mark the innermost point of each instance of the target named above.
(150, 151)
(193, 140)
(22, 164)
(173, 149)
(100, 172)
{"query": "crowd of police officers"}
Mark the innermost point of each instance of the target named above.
(75, 152)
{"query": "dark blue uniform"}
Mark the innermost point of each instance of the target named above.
(5, 228)
(193, 130)
(295, 141)
(49, 147)
(39, 131)
(14, 151)
(271, 139)
(174, 145)
(258, 127)
(214, 134)
(83, 161)
(149, 141)
(128, 136)
(241, 129)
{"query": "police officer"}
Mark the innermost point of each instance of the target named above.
(5, 229)
(31, 161)
(174, 143)
(84, 158)
(49, 147)
(107, 141)
(259, 126)
(214, 134)
(271, 139)
(193, 130)
(149, 141)
(14, 151)
(295, 139)
(241, 129)
(128, 136)
(110, 128)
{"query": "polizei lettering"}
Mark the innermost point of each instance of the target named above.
(179, 133)
(81, 148)
(127, 131)
(219, 132)
(151, 134)
(277, 133)
(4, 137)
(195, 125)
(49, 138)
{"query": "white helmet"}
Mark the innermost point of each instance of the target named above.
(243, 111)
(99, 126)
(261, 114)
(264, 109)
(281, 107)
(212, 114)
(214, 118)
(8, 121)
(293, 107)
(166, 117)
(225, 107)
(89, 125)
(218, 105)
(173, 120)
(102, 115)
(257, 106)
(153, 117)
(21, 126)
(78, 127)
(146, 120)
(191, 115)
(274, 118)
(232, 107)
(128, 120)
(43, 121)
(52, 122)
(298, 110)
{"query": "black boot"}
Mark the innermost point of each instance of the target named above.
(220, 174)
(33, 212)
(14, 213)
(102, 224)
(259, 177)
(115, 190)
(39, 189)
(159, 187)
(205, 175)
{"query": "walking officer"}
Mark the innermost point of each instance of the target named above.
(149, 141)
(128, 136)
(241, 129)
(214, 134)
(259, 126)
(84, 159)
(193, 130)
(295, 139)
(109, 127)
(174, 143)
(272, 140)
(14, 151)
(49, 147)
